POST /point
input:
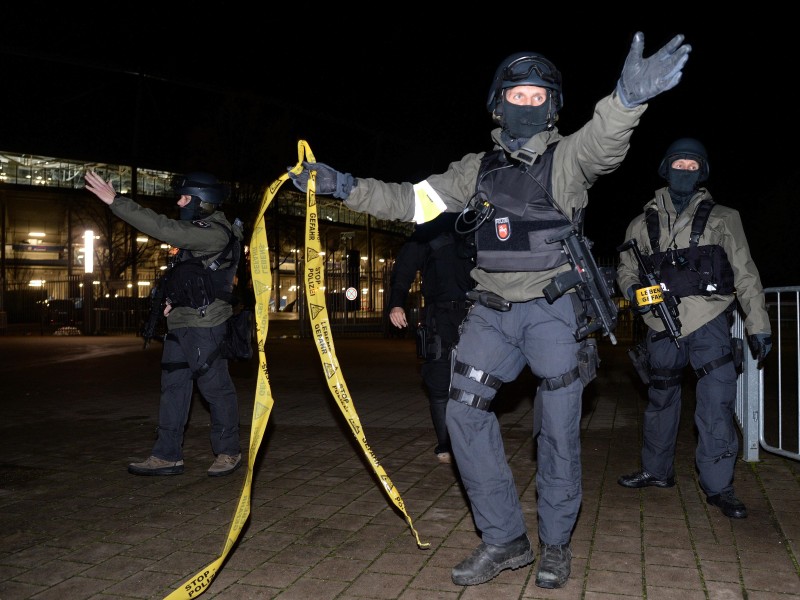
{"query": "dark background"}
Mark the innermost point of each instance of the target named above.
(399, 97)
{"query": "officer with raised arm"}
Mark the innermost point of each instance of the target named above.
(197, 310)
(516, 197)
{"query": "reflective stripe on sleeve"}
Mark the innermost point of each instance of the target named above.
(427, 203)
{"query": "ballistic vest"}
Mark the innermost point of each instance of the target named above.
(696, 270)
(196, 281)
(514, 239)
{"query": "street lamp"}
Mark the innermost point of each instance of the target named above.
(88, 268)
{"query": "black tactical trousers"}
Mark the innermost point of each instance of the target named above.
(718, 442)
(186, 350)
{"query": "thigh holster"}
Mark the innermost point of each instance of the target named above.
(468, 398)
(666, 378)
(560, 381)
(711, 365)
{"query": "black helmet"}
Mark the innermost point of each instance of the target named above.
(201, 185)
(685, 148)
(525, 68)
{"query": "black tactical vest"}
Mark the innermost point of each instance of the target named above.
(525, 216)
(196, 281)
(696, 270)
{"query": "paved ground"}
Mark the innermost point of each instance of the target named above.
(75, 525)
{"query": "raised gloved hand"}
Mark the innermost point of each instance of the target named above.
(637, 310)
(760, 344)
(645, 78)
(330, 182)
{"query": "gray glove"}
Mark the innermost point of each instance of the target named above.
(330, 182)
(645, 78)
(760, 344)
(637, 310)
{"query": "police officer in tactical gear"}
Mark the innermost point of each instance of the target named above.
(196, 317)
(700, 255)
(536, 182)
(444, 259)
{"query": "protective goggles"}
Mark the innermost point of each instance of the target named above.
(533, 68)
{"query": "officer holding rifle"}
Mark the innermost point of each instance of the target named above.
(696, 252)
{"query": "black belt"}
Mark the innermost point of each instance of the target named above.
(452, 304)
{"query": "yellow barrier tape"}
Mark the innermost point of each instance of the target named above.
(649, 295)
(318, 313)
(263, 402)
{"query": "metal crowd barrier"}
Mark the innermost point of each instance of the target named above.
(768, 398)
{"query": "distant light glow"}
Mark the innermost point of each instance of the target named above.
(88, 244)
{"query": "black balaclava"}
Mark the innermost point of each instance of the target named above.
(192, 211)
(525, 121)
(683, 183)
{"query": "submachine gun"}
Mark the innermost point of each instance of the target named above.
(591, 284)
(664, 304)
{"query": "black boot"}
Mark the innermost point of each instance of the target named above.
(488, 560)
(642, 479)
(555, 563)
(730, 505)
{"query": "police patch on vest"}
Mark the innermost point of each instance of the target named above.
(202, 224)
(502, 228)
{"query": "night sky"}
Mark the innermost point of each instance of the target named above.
(402, 96)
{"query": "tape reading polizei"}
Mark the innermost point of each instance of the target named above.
(263, 402)
(318, 313)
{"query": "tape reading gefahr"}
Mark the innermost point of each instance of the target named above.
(261, 273)
(649, 295)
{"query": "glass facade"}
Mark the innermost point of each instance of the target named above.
(45, 214)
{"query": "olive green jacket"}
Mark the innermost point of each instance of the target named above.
(724, 228)
(201, 237)
(579, 160)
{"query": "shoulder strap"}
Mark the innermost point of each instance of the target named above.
(699, 222)
(653, 228)
(215, 264)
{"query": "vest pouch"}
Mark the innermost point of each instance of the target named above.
(711, 272)
(238, 342)
(189, 283)
(531, 253)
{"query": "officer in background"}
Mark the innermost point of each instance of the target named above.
(444, 259)
(191, 348)
(532, 185)
(700, 253)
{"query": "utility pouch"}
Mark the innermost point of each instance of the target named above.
(422, 340)
(429, 346)
(238, 342)
(489, 300)
(588, 361)
(737, 348)
(641, 362)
